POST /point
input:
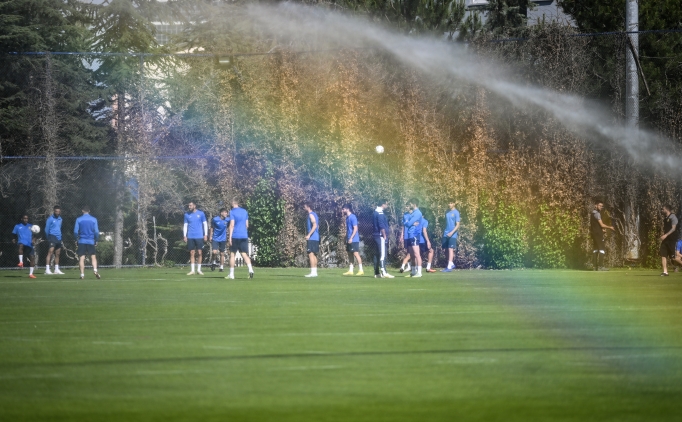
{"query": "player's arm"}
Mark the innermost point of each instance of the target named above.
(452, 233)
(184, 229)
(672, 230)
(604, 226)
(76, 230)
(313, 226)
(48, 223)
(96, 228)
(15, 235)
(205, 228)
(426, 237)
(210, 231)
(229, 240)
(353, 233)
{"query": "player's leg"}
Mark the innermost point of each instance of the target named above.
(21, 256)
(199, 255)
(31, 259)
(429, 262)
(356, 254)
(93, 259)
(214, 254)
(349, 249)
(245, 257)
(677, 259)
(405, 265)
(232, 257)
(50, 251)
(313, 264)
(81, 265)
(57, 254)
(417, 259)
(222, 260)
(191, 262)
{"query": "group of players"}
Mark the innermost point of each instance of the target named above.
(229, 230)
(86, 232)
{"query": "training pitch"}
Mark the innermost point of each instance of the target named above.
(157, 345)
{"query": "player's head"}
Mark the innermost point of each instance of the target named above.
(408, 209)
(667, 209)
(223, 212)
(598, 204)
(414, 203)
(383, 203)
(347, 209)
(452, 204)
(235, 202)
(56, 210)
(191, 206)
(307, 207)
(85, 209)
(24, 218)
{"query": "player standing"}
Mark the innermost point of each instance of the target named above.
(239, 237)
(86, 232)
(450, 234)
(195, 232)
(218, 235)
(404, 235)
(352, 239)
(412, 225)
(312, 238)
(23, 236)
(381, 238)
(668, 239)
(53, 231)
(425, 244)
(598, 230)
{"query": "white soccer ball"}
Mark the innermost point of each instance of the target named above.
(379, 149)
(35, 229)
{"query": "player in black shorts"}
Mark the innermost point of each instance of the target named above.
(669, 238)
(598, 230)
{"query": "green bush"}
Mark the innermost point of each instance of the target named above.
(266, 219)
(554, 234)
(505, 241)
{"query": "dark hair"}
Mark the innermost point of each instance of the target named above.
(307, 204)
(56, 207)
(382, 202)
(85, 208)
(668, 207)
(414, 201)
(221, 210)
(349, 207)
(598, 201)
(24, 215)
(192, 202)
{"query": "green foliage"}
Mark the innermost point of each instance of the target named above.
(652, 247)
(554, 234)
(168, 263)
(507, 16)
(266, 220)
(505, 241)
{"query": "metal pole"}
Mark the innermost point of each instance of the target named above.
(631, 76)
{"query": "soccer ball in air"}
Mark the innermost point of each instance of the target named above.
(379, 149)
(35, 229)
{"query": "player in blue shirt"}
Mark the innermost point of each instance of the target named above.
(404, 235)
(381, 238)
(23, 236)
(352, 239)
(53, 231)
(195, 233)
(238, 239)
(86, 232)
(678, 254)
(450, 235)
(312, 237)
(425, 244)
(413, 227)
(218, 235)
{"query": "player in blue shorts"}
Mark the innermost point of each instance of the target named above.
(312, 237)
(405, 266)
(53, 231)
(352, 239)
(425, 245)
(238, 239)
(449, 242)
(195, 231)
(23, 236)
(413, 227)
(86, 232)
(218, 235)
(678, 255)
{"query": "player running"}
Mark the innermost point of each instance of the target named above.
(668, 239)
(381, 238)
(312, 237)
(53, 231)
(23, 236)
(450, 234)
(86, 232)
(425, 244)
(218, 235)
(238, 239)
(412, 225)
(195, 232)
(598, 230)
(352, 239)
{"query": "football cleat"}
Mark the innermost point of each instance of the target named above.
(213, 266)
(20, 265)
(31, 276)
(417, 275)
(360, 273)
(199, 272)
(97, 275)
(446, 270)
(220, 270)
(307, 275)
(58, 272)
(348, 273)
(48, 272)
(402, 270)
(82, 277)
(664, 274)
(387, 275)
(430, 270)
(191, 273)
(250, 275)
(229, 277)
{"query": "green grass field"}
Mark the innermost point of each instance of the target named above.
(156, 345)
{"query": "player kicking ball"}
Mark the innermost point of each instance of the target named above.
(218, 235)
(23, 236)
(238, 239)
